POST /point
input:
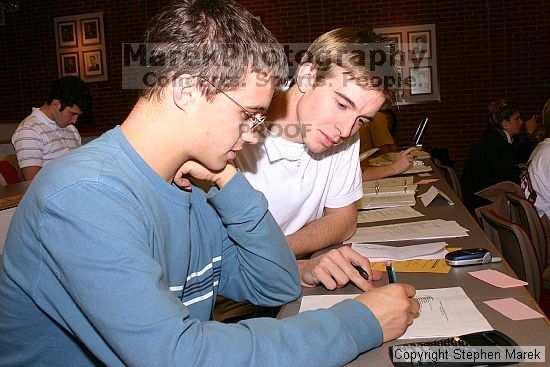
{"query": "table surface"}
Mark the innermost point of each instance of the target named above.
(535, 332)
(11, 194)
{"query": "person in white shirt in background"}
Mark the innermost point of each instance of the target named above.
(308, 163)
(49, 131)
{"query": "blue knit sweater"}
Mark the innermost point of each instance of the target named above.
(106, 263)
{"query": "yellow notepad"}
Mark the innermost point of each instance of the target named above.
(417, 265)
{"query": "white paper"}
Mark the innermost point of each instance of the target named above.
(417, 167)
(387, 200)
(432, 250)
(431, 194)
(421, 230)
(377, 215)
(310, 303)
(367, 154)
(444, 312)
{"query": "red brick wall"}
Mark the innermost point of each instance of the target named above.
(486, 49)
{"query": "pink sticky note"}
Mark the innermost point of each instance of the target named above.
(497, 278)
(424, 174)
(427, 181)
(513, 309)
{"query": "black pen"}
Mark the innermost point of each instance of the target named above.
(361, 271)
(391, 272)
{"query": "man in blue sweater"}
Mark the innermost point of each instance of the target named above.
(107, 262)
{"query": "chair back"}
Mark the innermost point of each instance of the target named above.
(515, 246)
(450, 176)
(524, 212)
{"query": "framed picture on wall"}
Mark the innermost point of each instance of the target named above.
(66, 34)
(395, 38)
(93, 63)
(421, 80)
(90, 31)
(81, 38)
(69, 64)
(420, 44)
(417, 64)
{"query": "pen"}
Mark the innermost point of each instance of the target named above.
(361, 271)
(405, 185)
(391, 272)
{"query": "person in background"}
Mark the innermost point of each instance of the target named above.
(49, 131)
(108, 262)
(378, 132)
(494, 158)
(536, 181)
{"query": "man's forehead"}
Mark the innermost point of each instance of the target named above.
(74, 109)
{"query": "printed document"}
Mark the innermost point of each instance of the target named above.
(421, 230)
(378, 215)
(444, 312)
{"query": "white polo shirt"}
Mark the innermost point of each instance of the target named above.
(38, 140)
(299, 184)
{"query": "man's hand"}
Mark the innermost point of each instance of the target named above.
(403, 160)
(198, 171)
(393, 306)
(334, 270)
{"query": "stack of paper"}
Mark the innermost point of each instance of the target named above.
(377, 215)
(388, 200)
(376, 253)
(422, 230)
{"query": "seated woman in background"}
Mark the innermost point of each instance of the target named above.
(379, 132)
(494, 158)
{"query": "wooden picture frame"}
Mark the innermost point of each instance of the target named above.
(66, 34)
(93, 63)
(91, 34)
(81, 35)
(420, 80)
(69, 64)
(419, 43)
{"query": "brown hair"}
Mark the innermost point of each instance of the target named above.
(213, 39)
(500, 110)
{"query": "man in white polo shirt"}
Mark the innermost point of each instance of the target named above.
(308, 164)
(49, 131)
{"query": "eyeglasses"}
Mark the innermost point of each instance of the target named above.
(257, 120)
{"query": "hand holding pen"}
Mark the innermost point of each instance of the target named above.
(337, 268)
(392, 278)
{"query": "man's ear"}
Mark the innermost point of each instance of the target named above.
(505, 124)
(56, 104)
(184, 91)
(305, 77)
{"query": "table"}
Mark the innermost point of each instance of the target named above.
(533, 332)
(10, 195)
